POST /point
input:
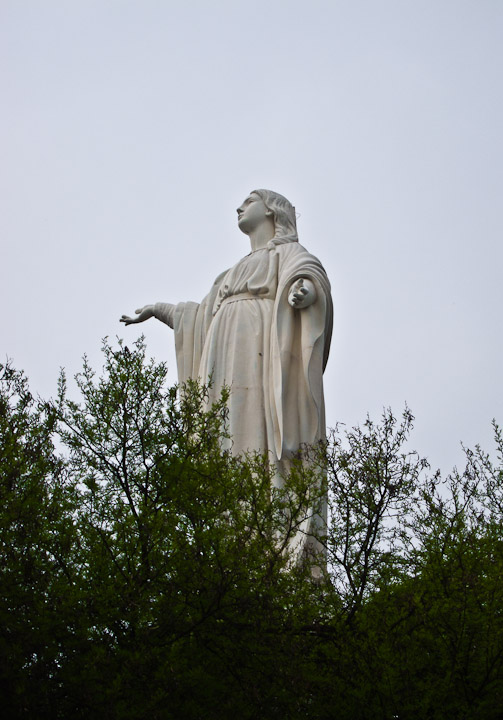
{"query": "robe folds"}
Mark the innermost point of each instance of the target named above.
(245, 335)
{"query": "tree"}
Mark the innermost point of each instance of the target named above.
(149, 574)
(36, 535)
(417, 563)
(185, 568)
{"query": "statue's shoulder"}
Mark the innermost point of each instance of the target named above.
(210, 297)
(296, 252)
(290, 249)
(218, 281)
(220, 277)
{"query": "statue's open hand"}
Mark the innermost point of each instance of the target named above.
(302, 294)
(144, 313)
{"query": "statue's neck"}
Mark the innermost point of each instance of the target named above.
(262, 235)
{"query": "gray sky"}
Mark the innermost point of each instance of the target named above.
(131, 130)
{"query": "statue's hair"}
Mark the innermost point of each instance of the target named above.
(285, 222)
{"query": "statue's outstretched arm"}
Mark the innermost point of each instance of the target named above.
(302, 294)
(161, 311)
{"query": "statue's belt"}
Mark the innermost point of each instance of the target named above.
(241, 296)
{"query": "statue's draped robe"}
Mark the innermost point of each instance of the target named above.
(245, 335)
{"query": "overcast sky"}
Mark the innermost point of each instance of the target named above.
(132, 129)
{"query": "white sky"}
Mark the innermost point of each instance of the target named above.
(131, 130)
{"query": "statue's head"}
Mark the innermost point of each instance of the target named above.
(283, 211)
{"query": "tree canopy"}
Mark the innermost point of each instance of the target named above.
(146, 573)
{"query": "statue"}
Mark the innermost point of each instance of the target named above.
(264, 331)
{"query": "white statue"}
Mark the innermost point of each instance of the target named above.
(264, 331)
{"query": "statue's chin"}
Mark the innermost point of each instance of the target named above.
(242, 226)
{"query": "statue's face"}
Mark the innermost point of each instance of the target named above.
(252, 213)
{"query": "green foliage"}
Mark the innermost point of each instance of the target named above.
(373, 482)
(422, 630)
(179, 566)
(36, 535)
(146, 573)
